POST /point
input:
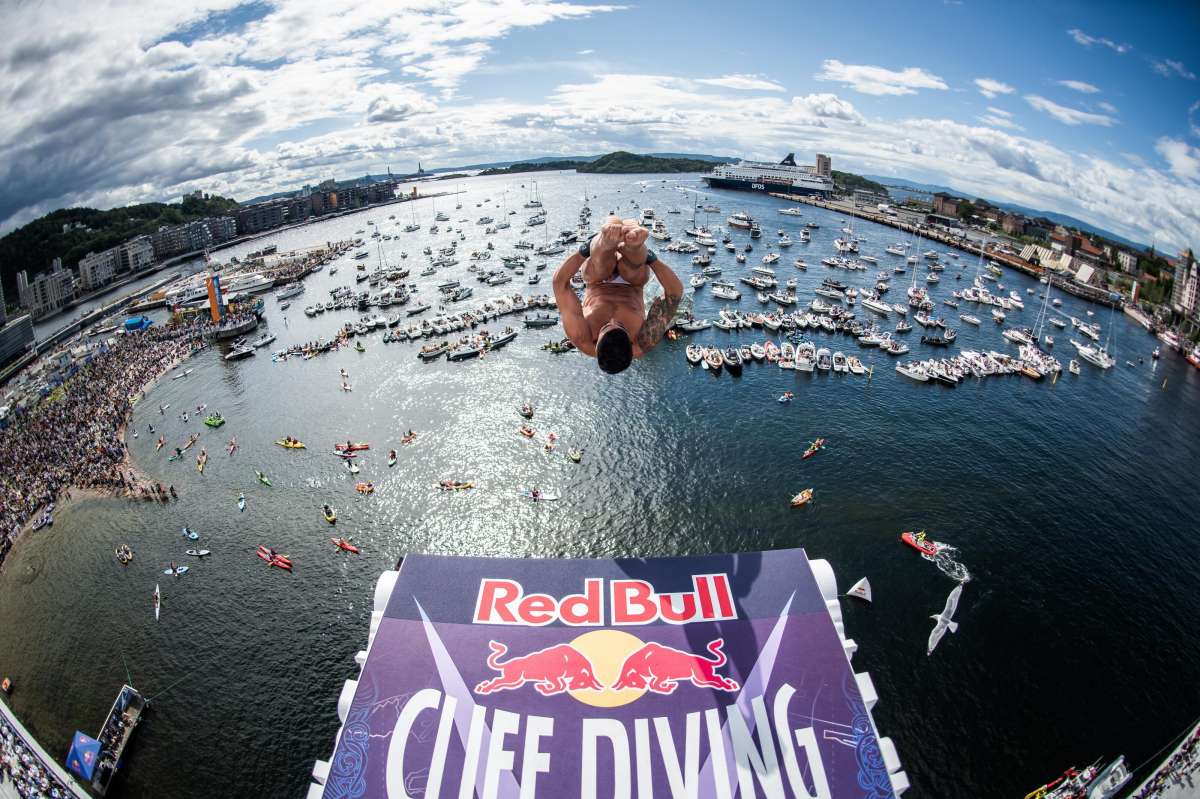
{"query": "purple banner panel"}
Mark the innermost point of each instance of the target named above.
(712, 676)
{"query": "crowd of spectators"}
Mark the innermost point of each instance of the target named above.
(1179, 772)
(31, 778)
(74, 435)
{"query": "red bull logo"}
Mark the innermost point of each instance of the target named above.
(630, 602)
(625, 670)
(661, 668)
(552, 670)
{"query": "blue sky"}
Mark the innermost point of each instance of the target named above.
(1083, 108)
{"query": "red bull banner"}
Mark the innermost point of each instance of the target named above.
(716, 676)
(214, 297)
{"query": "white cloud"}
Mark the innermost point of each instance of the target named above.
(1068, 116)
(1087, 41)
(1170, 69)
(745, 82)
(1106, 106)
(999, 122)
(879, 80)
(989, 88)
(584, 52)
(829, 106)
(1181, 157)
(1079, 86)
(1000, 112)
(1194, 118)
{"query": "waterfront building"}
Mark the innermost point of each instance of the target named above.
(1013, 224)
(1185, 294)
(197, 235)
(260, 216)
(169, 241)
(824, 166)
(945, 205)
(221, 228)
(136, 254)
(48, 292)
(16, 336)
(97, 269)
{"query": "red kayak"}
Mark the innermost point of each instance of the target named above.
(346, 455)
(273, 559)
(342, 543)
(925, 547)
(813, 448)
(352, 447)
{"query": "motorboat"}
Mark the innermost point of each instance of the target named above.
(824, 359)
(913, 371)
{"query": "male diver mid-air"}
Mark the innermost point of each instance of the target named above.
(612, 323)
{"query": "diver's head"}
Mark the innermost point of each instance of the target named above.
(614, 349)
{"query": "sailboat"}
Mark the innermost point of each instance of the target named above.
(1097, 356)
(156, 601)
(534, 201)
(414, 226)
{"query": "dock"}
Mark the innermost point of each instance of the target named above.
(47, 763)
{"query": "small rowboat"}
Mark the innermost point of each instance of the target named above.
(803, 498)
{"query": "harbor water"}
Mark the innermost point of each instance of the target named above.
(1071, 503)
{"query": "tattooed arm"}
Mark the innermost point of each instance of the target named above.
(662, 310)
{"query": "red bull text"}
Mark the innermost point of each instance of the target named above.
(630, 602)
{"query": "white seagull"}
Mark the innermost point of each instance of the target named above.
(943, 619)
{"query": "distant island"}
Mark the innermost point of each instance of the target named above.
(618, 163)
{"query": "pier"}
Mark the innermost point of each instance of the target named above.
(32, 748)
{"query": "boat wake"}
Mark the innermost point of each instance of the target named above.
(948, 565)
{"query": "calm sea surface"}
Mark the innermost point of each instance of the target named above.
(1072, 505)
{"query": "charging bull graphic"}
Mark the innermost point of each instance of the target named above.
(661, 668)
(554, 670)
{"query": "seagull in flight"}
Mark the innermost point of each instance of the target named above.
(943, 619)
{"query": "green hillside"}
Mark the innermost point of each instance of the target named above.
(33, 246)
(622, 162)
(850, 181)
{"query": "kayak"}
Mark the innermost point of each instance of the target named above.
(408, 439)
(241, 502)
(346, 455)
(200, 461)
(526, 411)
(192, 439)
(526, 431)
(177, 571)
(343, 544)
(391, 461)
(290, 445)
(541, 497)
(352, 447)
(925, 547)
(331, 516)
(160, 443)
(575, 455)
(451, 485)
(197, 553)
(191, 534)
(156, 601)
(786, 397)
(174, 457)
(352, 467)
(364, 488)
(124, 554)
(359, 347)
(802, 498)
(819, 444)
(262, 478)
(273, 559)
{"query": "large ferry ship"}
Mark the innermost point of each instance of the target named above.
(786, 177)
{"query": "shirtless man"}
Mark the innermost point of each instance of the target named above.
(612, 323)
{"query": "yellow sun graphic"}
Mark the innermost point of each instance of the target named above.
(607, 650)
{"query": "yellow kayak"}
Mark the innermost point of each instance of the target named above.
(290, 445)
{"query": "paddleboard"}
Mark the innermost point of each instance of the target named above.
(543, 497)
(197, 553)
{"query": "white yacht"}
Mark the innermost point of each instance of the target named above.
(881, 308)
(795, 210)
(739, 220)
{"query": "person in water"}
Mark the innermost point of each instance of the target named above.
(612, 323)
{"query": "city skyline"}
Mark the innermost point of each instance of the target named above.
(1099, 118)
